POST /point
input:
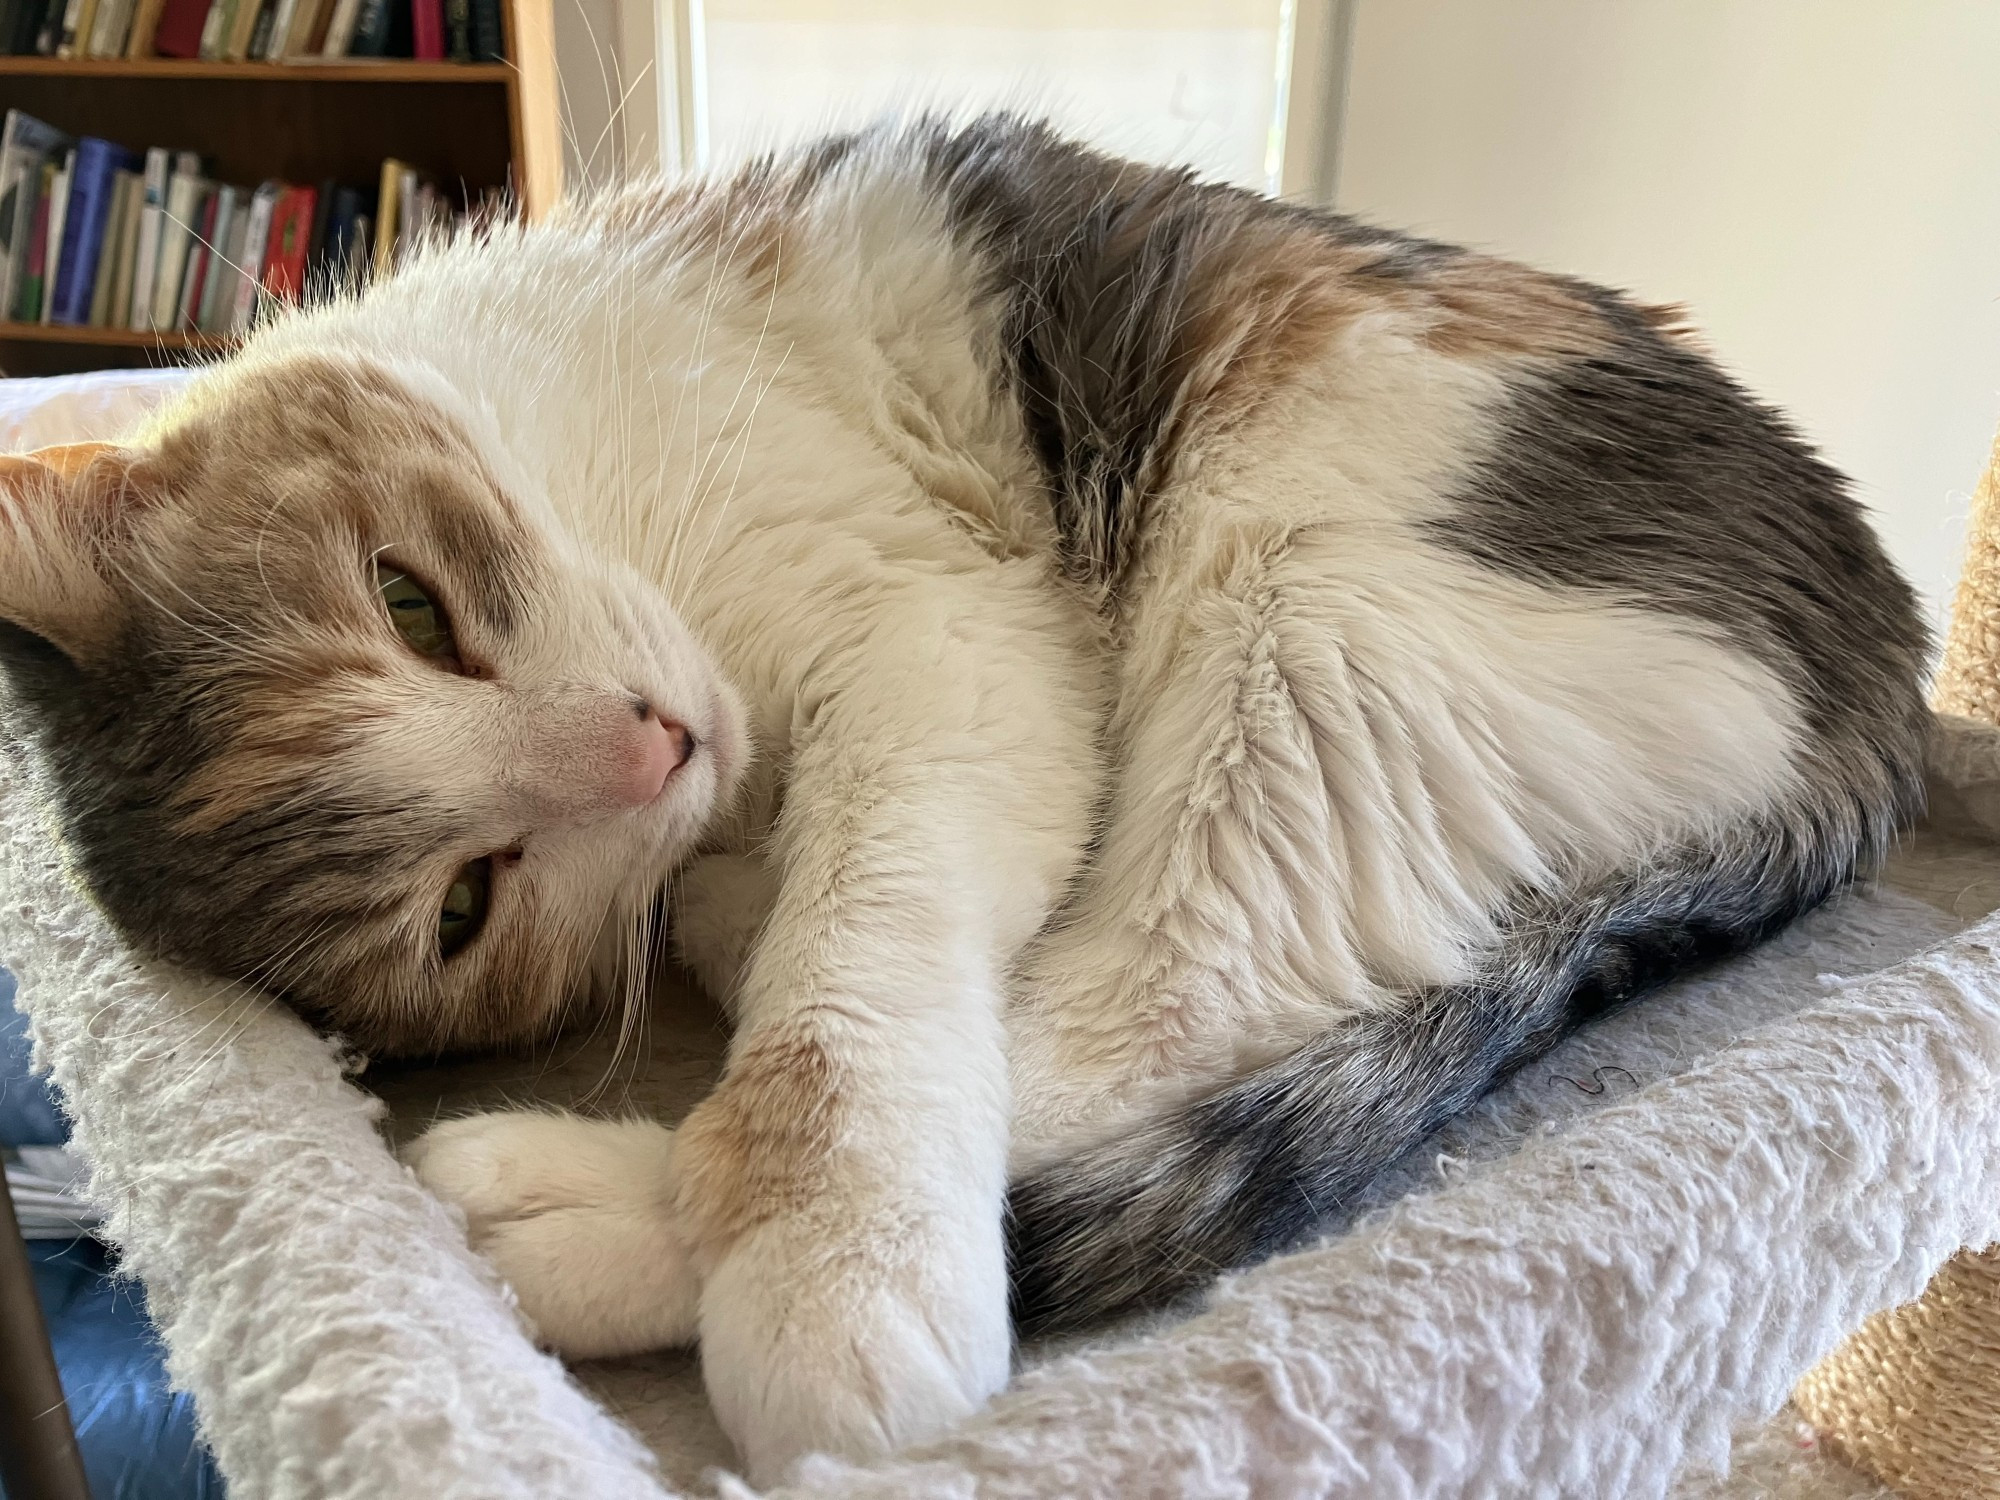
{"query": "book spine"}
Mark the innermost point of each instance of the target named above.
(48, 35)
(151, 213)
(145, 21)
(97, 166)
(340, 30)
(273, 35)
(195, 277)
(487, 44)
(58, 216)
(256, 250)
(371, 29)
(458, 29)
(117, 314)
(176, 225)
(202, 316)
(107, 249)
(427, 29)
(181, 24)
(107, 35)
(28, 308)
(72, 20)
(215, 30)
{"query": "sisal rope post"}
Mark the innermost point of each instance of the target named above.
(1913, 1398)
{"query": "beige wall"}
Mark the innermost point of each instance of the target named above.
(1818, 179)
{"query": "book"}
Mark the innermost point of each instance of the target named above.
(159, 169)
(215, 30)
(305, 16)
(178, 33)
(58, 216)
(270, 44)
(388, 200)
(25, 143)
(488, 40)
(340, 28)
(458, 30)
(78, 17)
(335, 251)
(107, 32)
(256, 249)
(201, 248)
(28, 307)
(98, 162)
(107, 250)
(145, 19)
(177, 225)
(260, 38)
(291, 230)
(117, 310)
(360, 252)
(427, 30)
(219, 295)
(26, 25)
(242, 25)
(221, 214)
(371, 30)
(48, 33)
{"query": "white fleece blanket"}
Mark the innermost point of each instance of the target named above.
(1583, 1288)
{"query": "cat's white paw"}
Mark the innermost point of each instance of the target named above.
(852, 1338)
(577, 1216)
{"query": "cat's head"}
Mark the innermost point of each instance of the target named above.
(331, 709)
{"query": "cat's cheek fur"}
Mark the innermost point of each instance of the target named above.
(577, 1216)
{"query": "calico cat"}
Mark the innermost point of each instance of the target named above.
(1141, 699)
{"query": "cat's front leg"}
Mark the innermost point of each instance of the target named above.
(843, 1185)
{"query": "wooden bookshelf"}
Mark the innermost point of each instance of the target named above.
(471, 126)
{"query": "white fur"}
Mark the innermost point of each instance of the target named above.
(1332, 745)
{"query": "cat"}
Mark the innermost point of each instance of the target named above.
(1140, 699)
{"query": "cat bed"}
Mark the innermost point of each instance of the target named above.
(1591, 1285)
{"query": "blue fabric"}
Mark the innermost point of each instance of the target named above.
(28, 1113)
(137, 1436)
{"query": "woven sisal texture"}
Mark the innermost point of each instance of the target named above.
(1914, 1397)
(1969, 679)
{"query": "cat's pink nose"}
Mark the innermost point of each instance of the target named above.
(664, 747)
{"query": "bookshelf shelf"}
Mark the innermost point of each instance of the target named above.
(55, 333)
(111, 338)
(467, 126)
(395, 71)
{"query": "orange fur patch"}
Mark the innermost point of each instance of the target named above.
(759, 1145)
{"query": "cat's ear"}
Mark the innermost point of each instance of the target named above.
(65, 515)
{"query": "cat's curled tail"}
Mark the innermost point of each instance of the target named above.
(1253, 1168)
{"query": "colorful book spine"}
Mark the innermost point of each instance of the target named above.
(427, 30)
(98, 163)
(291, 235)
(178, 33)
(28, 307)
(25, 143)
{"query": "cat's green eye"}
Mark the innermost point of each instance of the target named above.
(416, 616)
(464, 910)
